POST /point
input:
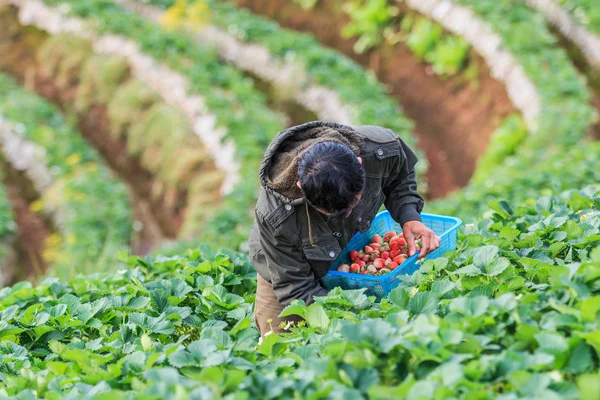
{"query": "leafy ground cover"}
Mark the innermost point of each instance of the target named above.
(356, 86)
(155, 133)
(229, 95)
(97, 219)
(555, 155)
(585, 12)
(7, 225)
(512, 313)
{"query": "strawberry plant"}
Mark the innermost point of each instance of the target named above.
(98, 220)
(514, 312)
(585, 12)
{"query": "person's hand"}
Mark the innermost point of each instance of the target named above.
(414, 230)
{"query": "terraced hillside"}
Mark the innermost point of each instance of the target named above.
(131, 133)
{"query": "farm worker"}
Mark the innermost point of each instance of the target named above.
(322, 182)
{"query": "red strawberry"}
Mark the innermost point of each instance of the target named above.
(394, 253)
(402, 242)
(393, 265)
(399, 259)
(385, 255)
(355, 267)
(365, 258)
(368, 249)
(375, 246)
(361, 263)
(377, 239)
(388, 236)
(378, 263)
(353, 255)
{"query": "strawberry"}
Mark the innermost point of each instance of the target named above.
(394, 253)
(402, 242)
(400, 259)
(371, 269)
(377, 239)
(355, 267)
(394, 246)
(361, 263)
(378, 263)
(375, 246)
(385, 255)
(387, 262)
(393, 265)
(353, 255)
(388, 236)
(384, 246)
(365, 258)
(344, 268)
(368, 249)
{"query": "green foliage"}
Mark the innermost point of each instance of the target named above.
(513, 312)
(585, 12)
(504, 142)
(97, 221)
(229, 95)
(99, 78)
(554, 157)
(370, 20)
(7, 225)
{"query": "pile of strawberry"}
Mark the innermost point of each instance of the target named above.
(380, 257)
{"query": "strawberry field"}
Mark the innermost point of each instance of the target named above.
(131, 134)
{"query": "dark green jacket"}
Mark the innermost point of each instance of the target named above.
(279, 244)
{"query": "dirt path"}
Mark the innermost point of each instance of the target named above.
(160, 218)
(32, 229)
(453, 120)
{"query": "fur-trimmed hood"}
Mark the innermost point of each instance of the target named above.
(279, 169)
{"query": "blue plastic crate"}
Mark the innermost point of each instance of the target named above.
(445, 227)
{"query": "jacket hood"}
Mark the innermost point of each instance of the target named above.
(279, 169)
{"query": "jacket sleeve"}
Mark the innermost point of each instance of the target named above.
(402, 199)
(290, 273)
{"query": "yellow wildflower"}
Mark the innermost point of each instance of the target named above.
(74, 159)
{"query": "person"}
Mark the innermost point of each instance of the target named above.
(322, 182)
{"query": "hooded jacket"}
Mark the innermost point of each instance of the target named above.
(291, 244)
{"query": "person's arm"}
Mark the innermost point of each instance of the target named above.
(291, 274)
(405, 204)
(402, 199)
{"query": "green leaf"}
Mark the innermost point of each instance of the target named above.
(296, 308)
(590, 307)
(423, 303)
(440, 288)
(552, 343)
(266, 347)
(485, 255)
(153, 324)
(316, 317)
(589, 386)
(399, 297)
(138, 302)
(509, 233)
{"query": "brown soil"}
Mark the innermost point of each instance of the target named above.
(453, 119)
(161, 218)
(32, 229)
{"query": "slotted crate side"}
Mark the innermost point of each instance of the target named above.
(380, 286)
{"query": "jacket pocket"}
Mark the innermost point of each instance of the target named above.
(369, 212)
(322, 256)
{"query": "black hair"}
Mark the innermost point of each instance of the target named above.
(331, 176)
